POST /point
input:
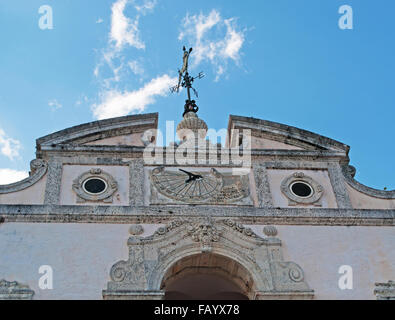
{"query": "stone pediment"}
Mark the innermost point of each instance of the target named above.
(272, 135)
(126, 130)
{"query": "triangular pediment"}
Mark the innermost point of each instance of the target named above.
(272, 135)
(126, 130)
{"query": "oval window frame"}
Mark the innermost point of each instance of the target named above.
(305, 183)
(84, 195)
(95, 178)
(293, 199)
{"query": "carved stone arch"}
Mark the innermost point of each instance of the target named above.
(223, 240)
(248, 281)
(141, 276)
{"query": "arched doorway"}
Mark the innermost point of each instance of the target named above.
(207, 276)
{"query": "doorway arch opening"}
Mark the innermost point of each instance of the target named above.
(207, 276)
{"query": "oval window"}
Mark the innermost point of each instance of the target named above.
(95, 186)
(301, 189)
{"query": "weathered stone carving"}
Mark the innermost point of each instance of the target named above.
(240, 228)
(293, 200)
(106, 196)
(52, 188)
(270, 231)
(205, 233)
(141, 276)
(262, 186)
(136, 230)
(136, 182)
(385, 291)
(13, 290)
(38, 168)
(211, 188)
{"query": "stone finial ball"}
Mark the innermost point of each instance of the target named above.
(136, 230)
(270, 231)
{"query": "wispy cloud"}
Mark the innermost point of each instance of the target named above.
(8, 176)
(100, 20)
(115, 103)
(214, 39)
(54, 104)
(9, 147)
(136, 67)
(146, 6)
(125, 33)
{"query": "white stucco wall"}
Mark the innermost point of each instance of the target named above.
(321, 250)
(32, 195)
(360, 200)
(81, 256)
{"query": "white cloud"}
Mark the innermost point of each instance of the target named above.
(136, 67)
(54, 104)
(115, 103)
(147, 5)
(124, 33)
(123, 29)
(100, 20)
(8, 146)
(214, 39)
(8, 176)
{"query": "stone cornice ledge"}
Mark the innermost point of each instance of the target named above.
(349, 174)
(38, 169)
(163, 214)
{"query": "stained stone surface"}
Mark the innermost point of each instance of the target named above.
(124, 246)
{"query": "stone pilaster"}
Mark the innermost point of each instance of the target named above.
(54, 178)
(136, 182)
(262, 186)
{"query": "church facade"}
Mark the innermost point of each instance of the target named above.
(272, 213)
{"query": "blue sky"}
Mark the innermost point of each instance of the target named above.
(280, 60)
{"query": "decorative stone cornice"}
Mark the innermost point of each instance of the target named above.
(164, 214)
(349, 174)
(38, 168)
(13, 290)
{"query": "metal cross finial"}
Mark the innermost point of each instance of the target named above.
(185, 81)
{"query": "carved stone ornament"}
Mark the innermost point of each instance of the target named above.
(106, 196)
(205, 233)
(211, 187)
(385, 291)
(151, 259)
(293, 199)
(13, 290)
(136, 230)
(270, 231)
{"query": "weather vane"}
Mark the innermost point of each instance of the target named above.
(185, 81)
